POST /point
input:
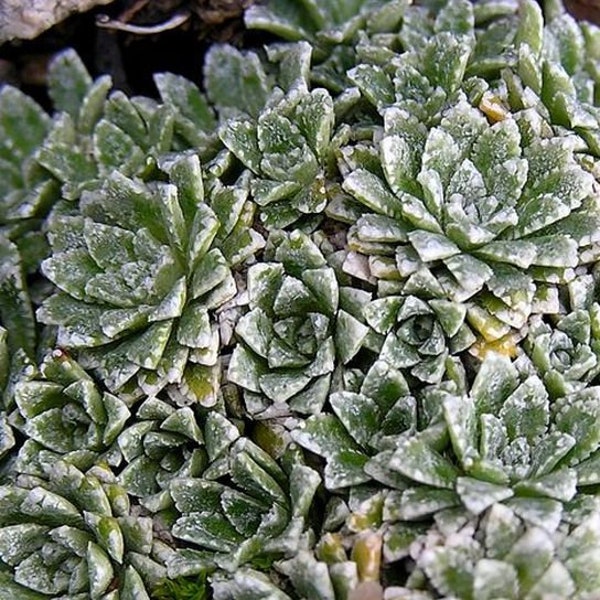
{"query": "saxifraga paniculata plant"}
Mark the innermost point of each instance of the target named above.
(324, 325)
(141, 270)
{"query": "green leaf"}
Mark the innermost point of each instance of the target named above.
(418, 502)
(345, 468)
(451, 570)
(556, 580)
(251, 476)
(241, 137)
(494, 577)
(381, 314)
(235, 81)
(560, 485)
(578, 418)
(477, 495)
(19, 541)
(374, 84)
(22, 121)
(503, 528)
(359, 415)
(50, 508)
(541, 512)
(15, 305)
(417, 461)
(193, 114)
(496, 379)
(108, 534)
(324, 435)
(37, 576)
(368, 189)
(324, 286)
(146, 349)
(122, 113)
(461, 419)
(530, 26)
(445, 60)
(68, 82)
(526, 411)
(455, 17)
(303, 486)
(349, 336)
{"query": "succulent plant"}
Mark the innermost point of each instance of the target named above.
(338, 32)
(323, 324)
(567, 355)
(420, 334)
(68, 533)
(299, 329)
(364, 422)
(67, 151)
(27, 189)
(145, 305)
(505, 557)
(328, 21)
(27, 192)
(245, 508)
(287, 146)
(236, 84)
(16, 311)
(164, 442)
(507, 445)
(425, 80)
(464, 212)
(62, 411)
(555, 70)
(304, 575)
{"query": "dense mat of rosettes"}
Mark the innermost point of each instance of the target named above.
(328, 329)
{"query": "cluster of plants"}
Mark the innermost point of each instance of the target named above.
(325, 328)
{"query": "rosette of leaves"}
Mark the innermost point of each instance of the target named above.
(331, 22)
(94, 134)
(140, 271)
(494, 214)
(71, 533)
(505, 557)
(236, 83)
(246, 509)
(507, 445)
(556, 70)
(164, 442)
(303, 576)
(301, 326)
(567, 354)
(367, 420)
(61, 410)
(336, 31)
(373, 428)
(425, 78)
(27, 191)
(287, 147)
(420, 334)
(345, 564)
(357, 440)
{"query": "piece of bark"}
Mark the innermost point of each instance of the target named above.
(26, 20)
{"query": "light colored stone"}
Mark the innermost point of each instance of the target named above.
(26, 20)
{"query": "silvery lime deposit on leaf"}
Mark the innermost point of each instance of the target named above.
(322, 325)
